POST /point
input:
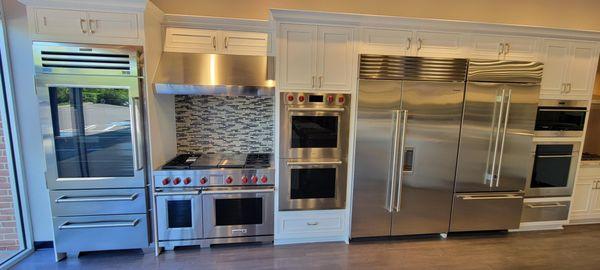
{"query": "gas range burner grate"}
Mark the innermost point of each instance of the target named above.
(181, 162)
(257, 160)
(214, 161)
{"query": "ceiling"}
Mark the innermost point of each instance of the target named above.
(570, 14)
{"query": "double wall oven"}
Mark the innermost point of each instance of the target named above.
(314, 145)
(553, 169)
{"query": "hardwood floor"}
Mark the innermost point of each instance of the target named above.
(576, 247)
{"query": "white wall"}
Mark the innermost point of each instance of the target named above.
(21, 58)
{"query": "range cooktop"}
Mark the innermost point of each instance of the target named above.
(217, 161)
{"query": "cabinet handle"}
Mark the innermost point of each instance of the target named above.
(93, 25)
(569, 87)
(81, 23)
(501, 49)
(507, 48)
(226, 41)
(320, 81)
(214, 42)
(313, 81)
(409, 42)
(563, 88)
(419, 44)
(45, 21)
(312, 223)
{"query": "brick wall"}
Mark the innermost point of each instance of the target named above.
(8, 229)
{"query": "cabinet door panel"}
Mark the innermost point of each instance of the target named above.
(595, 202)
(556, 62)
(61, 22)
(246, 43)
(298, 56)
(191, 40)
(580, 74)
(386, 41)
(113, 25)
(486, 46)
(521, 48)
(582, 193)
(437, 44)
(335, 50)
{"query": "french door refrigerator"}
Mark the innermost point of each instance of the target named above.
(494, 157)
(409, 115)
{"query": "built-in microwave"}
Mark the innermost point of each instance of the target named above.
(560, 118)
(553, 169)
(314, 125)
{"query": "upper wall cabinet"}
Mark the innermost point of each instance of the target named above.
(215, 41)
(411, 43)
(84, 27)
(569, 69)
(504, 47)
(315, 57)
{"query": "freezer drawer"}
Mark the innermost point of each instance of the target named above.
(486, 211)
(89, 233)
(98, 202)
(545, 211)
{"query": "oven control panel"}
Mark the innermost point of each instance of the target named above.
(316, 99)
(193, 178)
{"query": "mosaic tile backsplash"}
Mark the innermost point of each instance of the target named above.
(224, 124)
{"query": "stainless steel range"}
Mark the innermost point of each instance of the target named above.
(205, 199)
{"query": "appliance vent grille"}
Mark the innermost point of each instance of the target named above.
(53, 59)
(389, 67)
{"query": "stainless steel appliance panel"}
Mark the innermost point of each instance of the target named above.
(89, 233)
(179, 214)
(486, 211)
(238, 212)
(91, 144)
(545, 211)
(424, 196)
(376, 157)
(484, 70)
(552, 169)
(98, 202)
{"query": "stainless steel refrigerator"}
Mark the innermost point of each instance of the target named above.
(494, 157)
(409, 115)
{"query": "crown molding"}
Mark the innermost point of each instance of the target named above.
(218, 23)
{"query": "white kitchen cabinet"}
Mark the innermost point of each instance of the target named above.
(386, 41)
(504, 47)
(316, 57)
(586, 195)
(569, 69)
(310, 226)
(437, 44)
(191, 40)
(245, 43)
(66, 25)
(411, 43)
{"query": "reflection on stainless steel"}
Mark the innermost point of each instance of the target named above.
(496, 138)
(92, 128)
(552, 170)
(215, 74)
(561, 118)
(406, 144)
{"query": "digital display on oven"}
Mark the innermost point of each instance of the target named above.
(314, 98)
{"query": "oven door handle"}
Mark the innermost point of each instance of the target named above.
(238, 191)
(176, 193)
(293, 109)
(308, 163)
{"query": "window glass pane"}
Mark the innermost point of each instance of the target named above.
(247, 211)
(316, 183)
(314, 131)
(92, 132)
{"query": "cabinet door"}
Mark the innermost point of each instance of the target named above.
(386, 41)
(335, 50)
(521, 48)
(581, 71)
(486, 46)
(113, 25)
(582, 196)
(556, 61)
(297, 56)
(245, 43)
(191, 40)
(595, 203)
(437, 44)
(61, 22)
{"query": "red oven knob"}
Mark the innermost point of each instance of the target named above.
(229, 180)
(203, 180)
(245, 180)
(341, 100)
(187, 181)
(301, 98)
(254, 179)
(166, 181)
(290, 98)
(330, 99)
(176, 181)
(264, 179)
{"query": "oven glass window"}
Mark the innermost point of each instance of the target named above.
(553, 119)
(245, 211)
(552, 166)
(92, 132)
(315, 183)
(179, 213)
(314, 131)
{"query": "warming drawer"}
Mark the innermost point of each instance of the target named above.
(486, 211)
(545, 211)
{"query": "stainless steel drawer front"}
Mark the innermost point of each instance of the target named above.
(98, 202)
(486, 211)
(545, 211)
(89, 233)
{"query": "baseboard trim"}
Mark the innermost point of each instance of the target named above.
(43, 244)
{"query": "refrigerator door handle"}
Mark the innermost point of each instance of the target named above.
(401, 163)
(394, 162)
(506, 114)
(491, 174)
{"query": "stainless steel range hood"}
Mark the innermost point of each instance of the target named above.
(215, 74)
